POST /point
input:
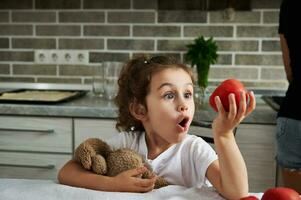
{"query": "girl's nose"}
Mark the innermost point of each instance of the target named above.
(182, 108)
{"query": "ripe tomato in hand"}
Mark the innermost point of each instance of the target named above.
(249, 198)
(224, 89)
(281, 193)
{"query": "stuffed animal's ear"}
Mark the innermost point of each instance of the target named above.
(138, 111)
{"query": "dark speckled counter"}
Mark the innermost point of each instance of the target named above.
(90, 106)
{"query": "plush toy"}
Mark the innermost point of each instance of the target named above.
(96, 155)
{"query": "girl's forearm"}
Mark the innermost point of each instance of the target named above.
(73, 174)
(233, 171)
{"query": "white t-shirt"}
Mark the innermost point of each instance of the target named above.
(183, 164)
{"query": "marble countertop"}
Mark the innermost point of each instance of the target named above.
(90, 106)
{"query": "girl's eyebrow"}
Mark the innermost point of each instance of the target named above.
(171, 85)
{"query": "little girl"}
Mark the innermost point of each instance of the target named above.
(156, 107)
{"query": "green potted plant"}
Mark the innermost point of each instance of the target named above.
(202, 53)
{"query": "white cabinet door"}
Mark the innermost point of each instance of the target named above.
(93, 128)
(258, 147)
(31, 165)
(36, 134)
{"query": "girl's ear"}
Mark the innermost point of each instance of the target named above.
(138, 111)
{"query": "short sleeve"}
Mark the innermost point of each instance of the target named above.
(205, 155)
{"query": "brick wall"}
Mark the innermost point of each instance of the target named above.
(115, 30)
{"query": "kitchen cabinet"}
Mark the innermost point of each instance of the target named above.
(37, 147)
(97, 128)
(258, 147)
(34, 147)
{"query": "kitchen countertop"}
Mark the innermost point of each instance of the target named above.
(90, 106)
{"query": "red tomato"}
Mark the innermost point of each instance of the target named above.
(280, 193)
(249, 198)
(224, 89)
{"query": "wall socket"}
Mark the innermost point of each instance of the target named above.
(61, 57)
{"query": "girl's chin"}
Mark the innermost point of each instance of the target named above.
(180, 137)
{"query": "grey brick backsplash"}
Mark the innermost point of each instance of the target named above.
(278, 84)
(174, 55)
(17, 79)
(239, 17)
(75, 70)
(271, 45)
(230, 72)
(4, 68)
(19, 69)
(224, 59)
(172, 45)
(115, 30)
(257, 31)
(130, 44)
(81, 17)
(58, 30)
(9, 29)
(98, 57)
(244, 59)
(16, 4)
(237, 45)
(57, 4)
(131, 17)
(26, 56)
(157, 31)
(271, 17)
(107, 30)
(81, 43)
(208, 31)
(33, 16)
(272, 73)
(145, 4)
(31, 43)
(3, 16)
(182, 16)
(69, 80)
(4, 43)
(105, 4)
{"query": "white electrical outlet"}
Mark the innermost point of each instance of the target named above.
(61, 57)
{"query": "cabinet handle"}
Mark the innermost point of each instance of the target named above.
(28, 130)
(28, 166)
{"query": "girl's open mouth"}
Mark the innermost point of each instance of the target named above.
(183, 124)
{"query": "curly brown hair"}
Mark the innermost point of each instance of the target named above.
(134, 81)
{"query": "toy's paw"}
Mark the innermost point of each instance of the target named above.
(99, 165)
(160, 182)
(83, 155)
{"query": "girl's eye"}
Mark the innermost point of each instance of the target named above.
(188, 95)
(169, 96)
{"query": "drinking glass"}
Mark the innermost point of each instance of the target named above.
(111, 71)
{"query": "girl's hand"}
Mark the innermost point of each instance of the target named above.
(130, 181)
(225, 122)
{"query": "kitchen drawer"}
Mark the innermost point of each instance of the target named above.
(97, 128)
(38, 134)
(31, 165)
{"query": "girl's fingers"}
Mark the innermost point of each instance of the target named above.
(219, 105)
(232, 106)
(242, 105)
(145, 182)
(136, 171)
(252, 103)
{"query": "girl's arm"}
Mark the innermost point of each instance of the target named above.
(73, 174)
(229, 173)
